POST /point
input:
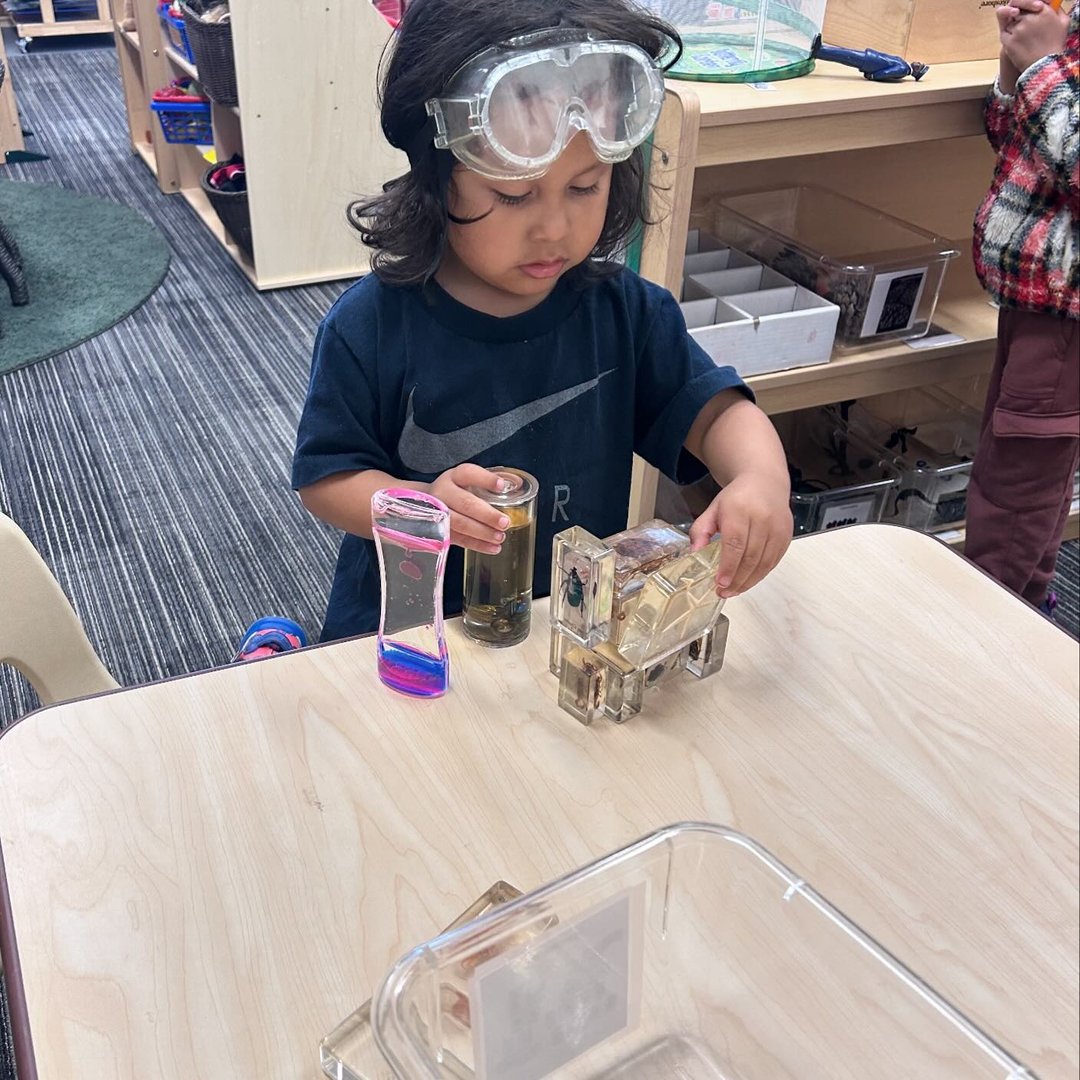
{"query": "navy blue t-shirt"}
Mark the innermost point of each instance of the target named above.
(411, 382)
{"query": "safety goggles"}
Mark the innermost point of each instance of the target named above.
(510, 111)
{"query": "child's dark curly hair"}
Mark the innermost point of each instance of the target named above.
(407, 223)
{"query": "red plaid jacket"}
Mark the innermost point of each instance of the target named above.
(1027, 231)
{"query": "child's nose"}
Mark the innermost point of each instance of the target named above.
(552, 222)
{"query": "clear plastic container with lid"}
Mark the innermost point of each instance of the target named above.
(497, 606)
(931, 437)
(838, 477)
(692, 953)
(742, 40)
(884, 274)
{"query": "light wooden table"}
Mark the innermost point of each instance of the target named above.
(206, 875)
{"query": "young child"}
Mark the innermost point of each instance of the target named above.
(494, 332)
(1027, 253)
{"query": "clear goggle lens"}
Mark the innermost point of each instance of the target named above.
(511, 112)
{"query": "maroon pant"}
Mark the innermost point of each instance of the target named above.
(1022, 479)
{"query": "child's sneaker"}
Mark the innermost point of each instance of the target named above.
(1049, 605)
(267, 637)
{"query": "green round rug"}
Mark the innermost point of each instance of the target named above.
(88, 263)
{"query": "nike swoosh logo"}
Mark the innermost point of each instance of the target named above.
(427, 452)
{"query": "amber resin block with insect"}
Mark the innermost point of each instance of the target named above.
(628, 613)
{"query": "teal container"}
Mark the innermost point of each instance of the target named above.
(743, 40)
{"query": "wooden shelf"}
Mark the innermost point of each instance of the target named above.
(739, 123)
(181, 63)
(893, 367)
(914, 150)
(130, 37)
(146, 152)
(50, 26)
(62, 28)
(11, 137)
(285, 134)
(197, 200)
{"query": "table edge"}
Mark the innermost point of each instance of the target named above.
(22, 1037)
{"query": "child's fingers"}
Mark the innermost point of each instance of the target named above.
(751, 559)
(469, 533)
(476, 476)
(732, 551)
(770, 557)
(487, 521)
(702, 531)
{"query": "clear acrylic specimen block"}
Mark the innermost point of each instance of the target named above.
(582, 684)
(349, 1051)
(692, 953)
(582, 579)
(412, 536)
(677, 604)
(645, 548)
(664, 606)
(707, 653)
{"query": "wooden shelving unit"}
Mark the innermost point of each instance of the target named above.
(916, 150)
(11, 137)
(307, 126)
(51, 26)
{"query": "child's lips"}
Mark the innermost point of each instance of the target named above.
(541, 270)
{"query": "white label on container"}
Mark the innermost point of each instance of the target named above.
(855, 512)
(539, 1006)
(894, 301)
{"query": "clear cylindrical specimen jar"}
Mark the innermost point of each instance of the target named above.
(498, 588)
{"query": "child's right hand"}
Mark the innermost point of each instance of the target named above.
(1030, 30)
(474, 523)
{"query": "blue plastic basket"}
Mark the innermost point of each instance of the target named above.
(176, 32)
(185, 121)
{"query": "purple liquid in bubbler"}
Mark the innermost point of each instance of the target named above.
(412, 536)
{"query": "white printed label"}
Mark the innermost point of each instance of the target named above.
(856, 512)
(538, 1007)
(894, 301)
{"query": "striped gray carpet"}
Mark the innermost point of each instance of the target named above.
(150, 465)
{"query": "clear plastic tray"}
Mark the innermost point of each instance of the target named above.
(691, 954)
(837, 477)
(883, 273)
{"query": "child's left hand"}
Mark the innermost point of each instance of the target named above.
(1036, 31)
(753, 515)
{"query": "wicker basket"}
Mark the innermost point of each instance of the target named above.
(212, 46)
(232, 208)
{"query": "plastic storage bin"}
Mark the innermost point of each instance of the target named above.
(837, 477)
(931, 437)
(884, 274)
(742, 40)
(692, 953)
(176, 34)
(749, 316)
(185, 117)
